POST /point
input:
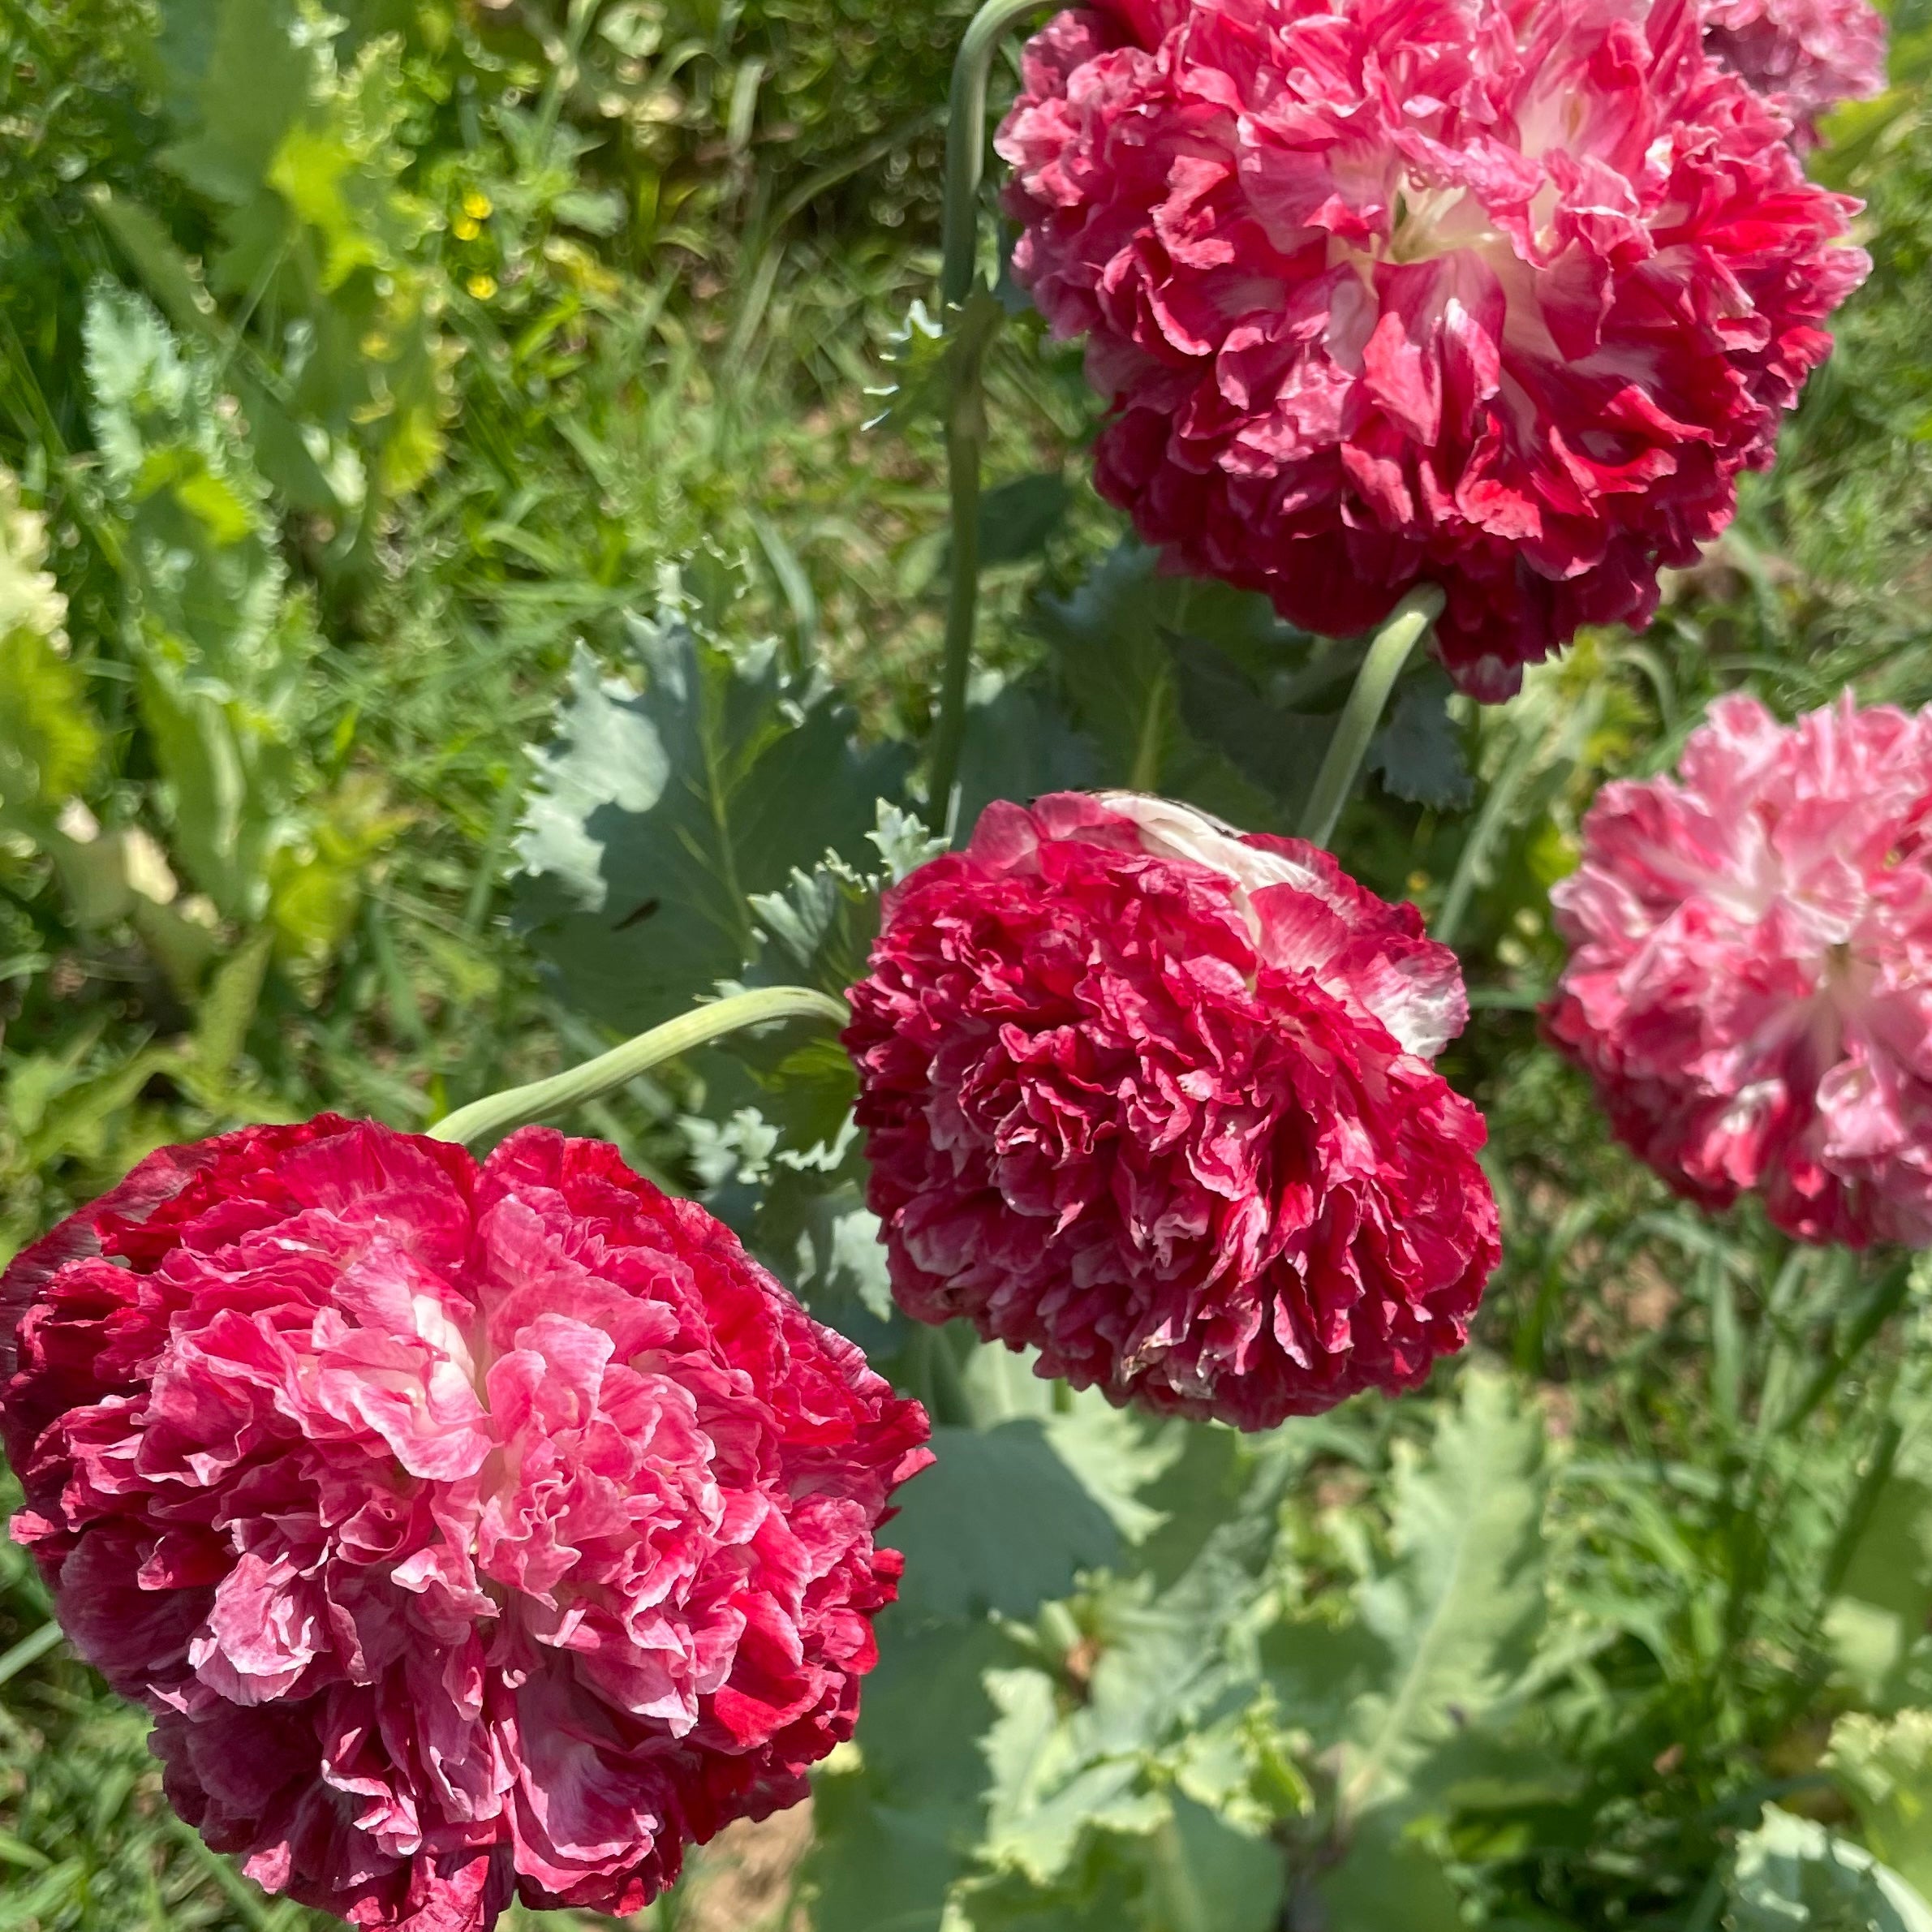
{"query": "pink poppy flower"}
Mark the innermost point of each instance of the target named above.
(1750, 977)
(471, 1531)
(1494, 295)
(1806, 55)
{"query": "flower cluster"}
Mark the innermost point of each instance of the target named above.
(1155, 1098)
(1807, 55)
(1499, 297)
(1750, 981)
(467, 1530)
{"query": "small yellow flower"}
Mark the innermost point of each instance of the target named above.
(1418, 882)
(482, 287)
(476, 204)
(464, 228)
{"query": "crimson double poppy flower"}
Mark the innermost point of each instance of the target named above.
(1155, 1098)
(469, 1530)
(1496, 296)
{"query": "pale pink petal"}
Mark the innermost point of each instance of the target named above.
(1750, 945)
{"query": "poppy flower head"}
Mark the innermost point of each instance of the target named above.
(1155, 1097)
(1750, 973)
(1806, 55)
(1496, 295)
(471, 1531)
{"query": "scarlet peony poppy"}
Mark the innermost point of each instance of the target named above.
(1489, 294)
(1750, 978)
(470, 1531)
(1807, 55)
(1155, 1097)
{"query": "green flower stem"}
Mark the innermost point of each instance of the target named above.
(965, 411)
(932, 1373)
(497, 1113)
(1407, 623)
(965, 438)
(965, 143)
(29, 1650)
(1882, 1301)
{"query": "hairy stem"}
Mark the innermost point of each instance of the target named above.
(965, 412)
(497, 1113)
(1405, 627)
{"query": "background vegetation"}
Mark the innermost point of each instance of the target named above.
(413, 414)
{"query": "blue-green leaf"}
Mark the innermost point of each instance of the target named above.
(1791, 1873)
(999, 1522)
(1418, 753)
(666, 805)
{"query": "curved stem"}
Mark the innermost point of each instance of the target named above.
(966, 413)
(965, 143)
(1404, 627)
(1496, 805)
(497, 1113)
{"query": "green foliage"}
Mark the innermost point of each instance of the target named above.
(1444, 1631)
(1879, 1617)
(1113, 657)
(966, 1553)
(820, 929)
(1791, 1873)
(1120, 1774)
(1190, 688)
(50, 743)
(222, 656)
(923, 357)
(664, 809)
(1418, 753)
(1166, 1740)
(1884, 1767)
(300, 157)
